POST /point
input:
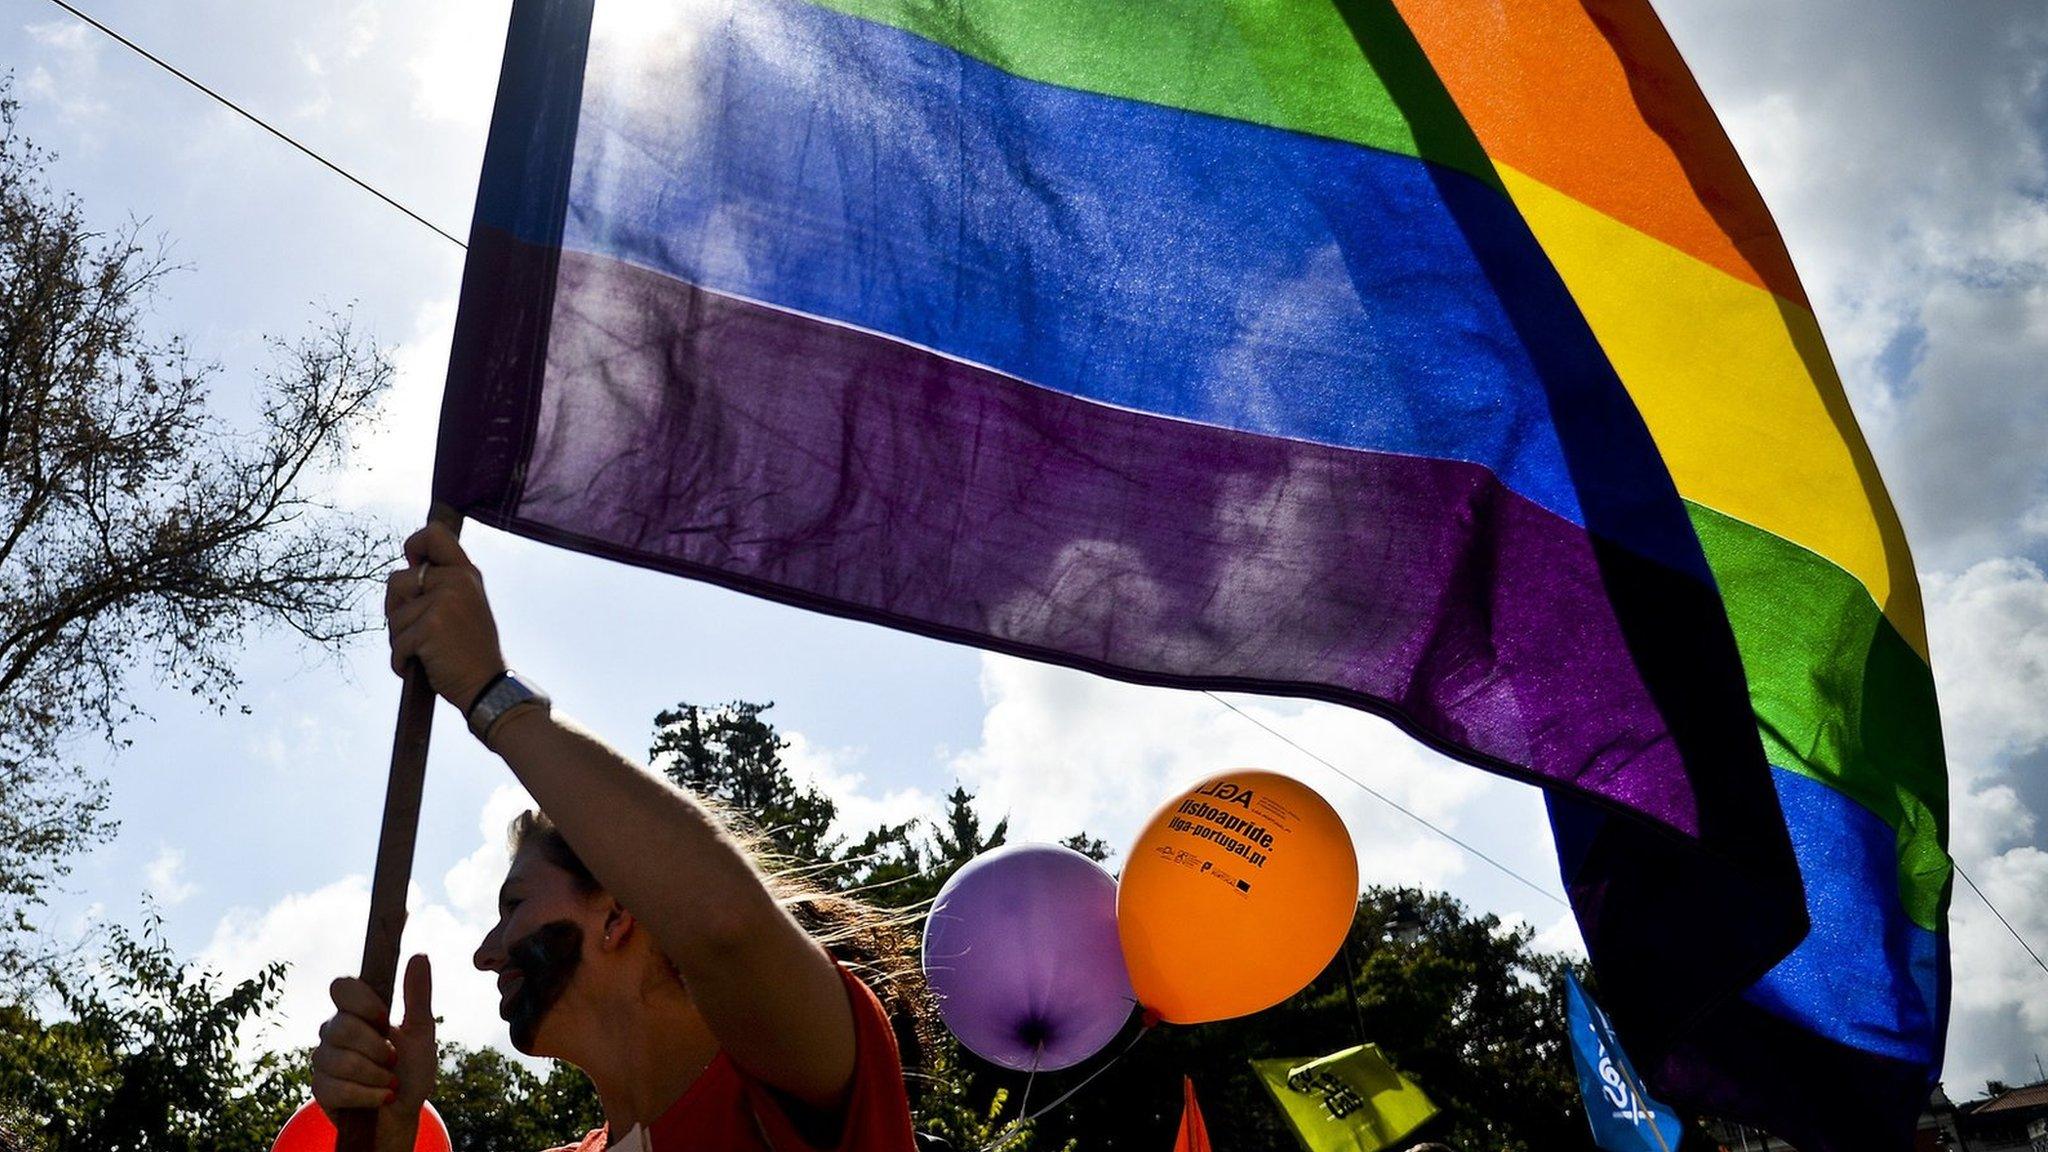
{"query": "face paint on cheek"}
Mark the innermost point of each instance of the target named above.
(546, 958)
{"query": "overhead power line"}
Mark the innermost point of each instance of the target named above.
(2001, 916)
(1281, 736)
(252, 118)
(1390, 802)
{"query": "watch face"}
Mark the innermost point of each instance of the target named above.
(508, 691)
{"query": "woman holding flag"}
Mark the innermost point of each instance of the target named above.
(637, 938)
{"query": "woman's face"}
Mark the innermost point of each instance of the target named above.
(537, 945)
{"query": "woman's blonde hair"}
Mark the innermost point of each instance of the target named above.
(878, 946)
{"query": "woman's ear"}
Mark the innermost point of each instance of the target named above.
(618, 925)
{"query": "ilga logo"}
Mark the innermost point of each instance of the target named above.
(1627, 1105)
(1227, 793)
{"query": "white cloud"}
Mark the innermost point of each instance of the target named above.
(472, 884)
(1975, 417)
(2001, 994)
(454, 59)
(165, 874)
(830, 771)
(1062, 752)
(364, 22)
(1990, 641)
(1988, 629)
(69, 80)
(320, 934)
(391, 470)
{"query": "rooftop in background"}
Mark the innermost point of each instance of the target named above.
(2027, 1097)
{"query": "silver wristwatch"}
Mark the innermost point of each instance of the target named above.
(505, 692)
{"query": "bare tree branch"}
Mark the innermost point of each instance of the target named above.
(138, 528)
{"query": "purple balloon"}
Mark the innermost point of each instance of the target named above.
(1021, 948)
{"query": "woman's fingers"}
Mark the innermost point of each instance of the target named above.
(419, 996)
(335, 1095)
(345, 1033)
(353, 1064)
(406, 635)
(355, 998)
(436, 612)
(435, 544)
(345, 1066)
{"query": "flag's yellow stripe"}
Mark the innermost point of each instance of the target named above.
(1738, 390)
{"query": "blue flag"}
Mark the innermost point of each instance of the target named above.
(1624, 1119)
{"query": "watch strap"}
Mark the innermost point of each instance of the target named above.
(500, 695)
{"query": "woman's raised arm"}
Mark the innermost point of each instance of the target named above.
(768, 991)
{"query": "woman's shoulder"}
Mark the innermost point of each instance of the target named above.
(876, 1114)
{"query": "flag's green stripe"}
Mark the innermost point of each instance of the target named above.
(1343, 69)
(1839, 695)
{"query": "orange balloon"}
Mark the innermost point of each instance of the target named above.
(309, 1130)
(1237, 893)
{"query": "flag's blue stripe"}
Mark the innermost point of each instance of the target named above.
(1866, 975)
(1147, 257)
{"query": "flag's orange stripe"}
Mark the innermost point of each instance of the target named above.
(1591, 98)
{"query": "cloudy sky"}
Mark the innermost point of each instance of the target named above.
(1901, 146)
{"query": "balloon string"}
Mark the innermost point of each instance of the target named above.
(1016, 1127)
(1351, 987)
(1024, 1101)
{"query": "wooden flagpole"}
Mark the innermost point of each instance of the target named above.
(358, 1126)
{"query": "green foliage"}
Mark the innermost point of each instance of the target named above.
(492, 1103)
(1093, 847)
(146, 1061)
(959, 839)
(733, 756)
(50, 1077)
(952, 1113)
(915, 861)
(889, 867)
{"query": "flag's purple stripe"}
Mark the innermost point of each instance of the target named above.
(856, 474)
(1145, 256)
(1747, 1064)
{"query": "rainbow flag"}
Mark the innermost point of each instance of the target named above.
(1432, 359)
(1610, 151)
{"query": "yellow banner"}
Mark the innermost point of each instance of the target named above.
(1349, 1101)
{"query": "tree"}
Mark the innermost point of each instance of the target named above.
(889, 867)
(493, 1104)
(959, 839)
(904, 865)
(147, 1060)
(1093, 847)
(733, 756)
(138, 526)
